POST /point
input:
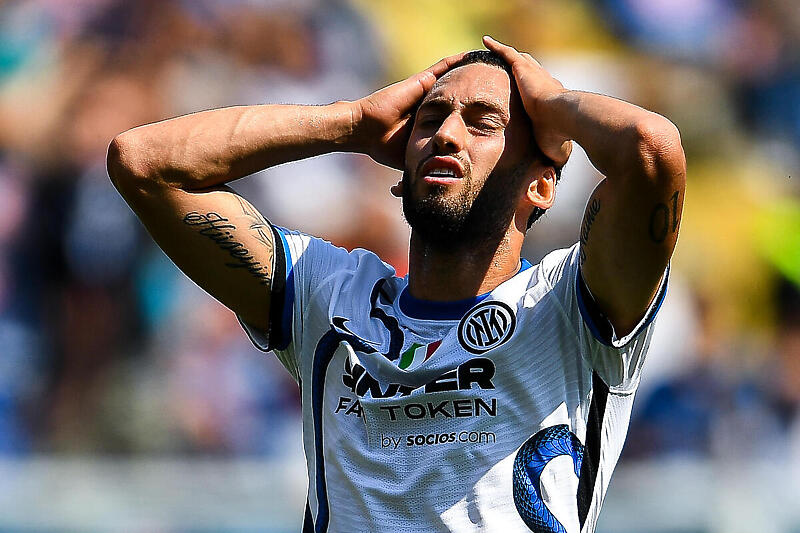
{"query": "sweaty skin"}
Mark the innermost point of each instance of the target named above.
(474, 119)
(173, 174)
(632, 219)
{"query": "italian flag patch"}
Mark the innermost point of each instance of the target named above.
(416, 354)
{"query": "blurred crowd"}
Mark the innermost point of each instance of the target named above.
(106, 348)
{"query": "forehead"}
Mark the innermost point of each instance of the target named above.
(476, 81)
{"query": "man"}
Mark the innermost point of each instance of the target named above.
(480, 393)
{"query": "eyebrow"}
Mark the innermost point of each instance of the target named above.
(481, 104)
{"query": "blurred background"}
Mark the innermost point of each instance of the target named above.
(132, 401)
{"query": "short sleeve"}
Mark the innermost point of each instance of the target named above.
(302, 264)
(618, 360)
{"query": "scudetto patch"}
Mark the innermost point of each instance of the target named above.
(486, 326)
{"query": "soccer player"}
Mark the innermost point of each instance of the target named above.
(480, 393)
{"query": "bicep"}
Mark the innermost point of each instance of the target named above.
(218, 239)
(629, 230)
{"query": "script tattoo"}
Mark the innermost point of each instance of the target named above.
(588, 220)
(220, 230)
(661, 223)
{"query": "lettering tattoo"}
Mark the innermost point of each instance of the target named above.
(586, 227)
(220, 230)
(664, 220)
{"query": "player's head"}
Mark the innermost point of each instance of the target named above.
(472, 164)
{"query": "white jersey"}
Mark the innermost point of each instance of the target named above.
(505, 412)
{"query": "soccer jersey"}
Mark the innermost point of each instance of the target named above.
(505, 412)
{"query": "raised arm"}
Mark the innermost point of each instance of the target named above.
(631, 222)
(173, 175)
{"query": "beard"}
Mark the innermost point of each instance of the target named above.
(468, 219)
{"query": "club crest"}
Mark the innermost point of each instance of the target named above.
(486, 326)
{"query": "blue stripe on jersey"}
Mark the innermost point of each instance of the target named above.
(285, 330)
(323, 354)
(308, 520)
(597, 322)
(454, 310)
(389, 322)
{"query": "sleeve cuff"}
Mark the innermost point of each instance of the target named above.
(281, 303)
(259, 339)
(601, 327)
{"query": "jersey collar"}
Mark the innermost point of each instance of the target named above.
(452, 310)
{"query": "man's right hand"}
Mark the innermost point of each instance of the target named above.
(172, 174)
(382, 121)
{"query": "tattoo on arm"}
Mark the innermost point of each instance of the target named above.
(259, 226)
(219, 229)
(661, 223)
(588, 220)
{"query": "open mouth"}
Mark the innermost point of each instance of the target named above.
(442, 170)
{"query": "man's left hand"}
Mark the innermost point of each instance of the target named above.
(536, 87)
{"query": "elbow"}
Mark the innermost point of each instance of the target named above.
(659, 148)
(117, 169)
(126, 168)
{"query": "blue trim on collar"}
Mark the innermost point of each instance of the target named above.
(430, 310)
(453, 310)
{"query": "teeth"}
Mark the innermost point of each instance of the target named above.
(442, 172)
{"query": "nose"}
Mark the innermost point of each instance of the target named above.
(449, 138)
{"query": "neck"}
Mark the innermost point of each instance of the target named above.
(455, 274)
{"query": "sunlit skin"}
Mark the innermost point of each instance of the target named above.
(468, 140)
(477, 121)
(473, 121)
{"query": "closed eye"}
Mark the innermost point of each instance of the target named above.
(429, 120)
(486, 124)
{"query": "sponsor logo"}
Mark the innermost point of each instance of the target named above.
(436, 439)
(462, 408)
(475, 373)
(478, 371)
(447, 409)
(486, 326)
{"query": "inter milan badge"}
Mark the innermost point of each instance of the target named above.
(486, 326)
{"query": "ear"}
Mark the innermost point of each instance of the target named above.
(541, 190)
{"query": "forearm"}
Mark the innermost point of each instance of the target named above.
(209, 148)
(621, 139)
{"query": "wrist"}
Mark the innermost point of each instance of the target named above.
(551, 124)
(347, 116)
(548, 108)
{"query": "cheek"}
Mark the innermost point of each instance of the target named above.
(414, 149)
(488, 155)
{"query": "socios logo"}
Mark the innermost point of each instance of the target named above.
(486, 326)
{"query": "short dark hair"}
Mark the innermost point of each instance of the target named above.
(488, 57)
(484, 56)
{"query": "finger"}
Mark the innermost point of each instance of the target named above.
(443, 65)
(428, 77)
(530, 58)
(509, 53)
